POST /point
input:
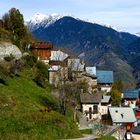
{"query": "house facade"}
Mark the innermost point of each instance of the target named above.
(94, 105)
(104, 80)
(58, 71)
(42, 50)
(130, 97)
(123, 116)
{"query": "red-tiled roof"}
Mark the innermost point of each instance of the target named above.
(40, 45)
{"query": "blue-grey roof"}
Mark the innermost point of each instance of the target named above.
(104, 76)
(131, 93)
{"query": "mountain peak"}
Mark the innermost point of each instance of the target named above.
(38, 17)
(42, 20)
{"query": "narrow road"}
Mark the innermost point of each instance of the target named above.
(86, 137)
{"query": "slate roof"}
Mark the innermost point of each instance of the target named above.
(105, 99)
(122, 114)
(58, 56)
(91, 98)
(133, 94)
(104, 76)
(136, 130)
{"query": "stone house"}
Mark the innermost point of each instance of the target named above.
(94, 105)
(58, 71)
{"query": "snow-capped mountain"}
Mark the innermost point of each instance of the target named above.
(42, 20)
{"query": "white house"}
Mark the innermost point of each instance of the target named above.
(105, 80)
(94, 105)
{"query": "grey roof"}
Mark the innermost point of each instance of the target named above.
(105, 99)
(136, 130)
(131, 94)
(75, 64)
(58, 56)
(90, 98)
(104, 76)
(122, 114)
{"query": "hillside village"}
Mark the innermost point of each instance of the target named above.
(96, 102)
(55, 92)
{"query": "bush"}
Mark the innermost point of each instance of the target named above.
(40, 80)
(43, 68)
(41, 74)
(9, 58)
(3, 75)
(29, 60)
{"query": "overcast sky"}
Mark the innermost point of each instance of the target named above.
(123, 14)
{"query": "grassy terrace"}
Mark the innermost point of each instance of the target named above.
(24, 112)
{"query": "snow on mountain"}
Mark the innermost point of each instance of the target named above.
(42, 20)
(45, 20)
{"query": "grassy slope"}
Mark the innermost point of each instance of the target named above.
(21, 119)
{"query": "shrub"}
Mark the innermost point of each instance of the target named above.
(9, 58)
(43, 68)
(29, 60)
(3, 75)
(40, 80)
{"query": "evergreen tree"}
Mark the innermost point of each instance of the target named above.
(17, 26)
(13, 21)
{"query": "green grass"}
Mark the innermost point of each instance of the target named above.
(20, 117)
(107, 138)
(86, 131)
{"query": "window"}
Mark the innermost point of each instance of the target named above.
(90, 113)
(95, 108)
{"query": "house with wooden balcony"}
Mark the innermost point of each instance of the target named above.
(42, 50)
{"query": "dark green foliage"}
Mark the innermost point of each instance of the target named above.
(9, 58)
(40, 75)
(29, 60)
(43, 68)
(13, 23)
(116, 97)
(3, 74)
(117, 86)
(40, 79)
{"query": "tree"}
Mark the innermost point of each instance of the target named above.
(6, 21)
(13, 22)
(116, 97)
(17, 25)
(117, 86)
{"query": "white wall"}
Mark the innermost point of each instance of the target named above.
(106, 88)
